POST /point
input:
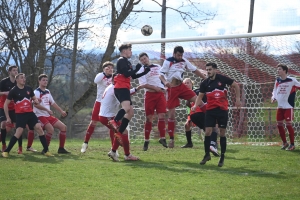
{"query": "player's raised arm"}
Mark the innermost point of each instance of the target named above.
(194, 69)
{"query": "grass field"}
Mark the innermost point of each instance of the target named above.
(250, 172)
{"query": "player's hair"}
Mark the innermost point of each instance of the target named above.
(11, 67)
(213, 65)
(42, 76)
(283, 67)
(189, 80)
(19, 74)
(107, 63)
(178, 49)
(124, 46)
(143, 54)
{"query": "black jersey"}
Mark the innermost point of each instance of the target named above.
(5, 86)
(22, 98)
(216, 91)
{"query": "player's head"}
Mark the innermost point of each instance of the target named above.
(108, 68)
(144, 58)
(20, 79)
(43, 80)
(178, 53)
(188, 82)
(125, 50)
(13, 70)
(282, 69)
(211, 69)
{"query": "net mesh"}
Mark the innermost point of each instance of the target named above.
(252, 63)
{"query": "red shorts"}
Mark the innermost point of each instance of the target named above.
(105, 120)
(155, 101)
(46, 120)
(285, 114)
(96, 111)
(179, 92)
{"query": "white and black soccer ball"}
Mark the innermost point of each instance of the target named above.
(147, 30)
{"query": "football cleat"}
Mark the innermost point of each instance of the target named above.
(291, 148)
(62, 151)
(114, 156)
(171, 143)
(114, 125)
(221, 161)
(284, 146)
(84, 147)
(48, 154)
(205, 159)
(187, 145)
(214, 151)
(146, 143)
(163, 142)
(31, 149)
(5, 154)
(131, 157)
(20, 150)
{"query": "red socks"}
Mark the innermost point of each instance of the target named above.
(161, 124)
(30, 138)
(62, 139)
(148, 128)
(171, 128)
(89, 133)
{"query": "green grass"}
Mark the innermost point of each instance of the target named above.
(250, 172)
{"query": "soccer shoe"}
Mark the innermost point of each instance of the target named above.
(114, 156)
(20, 150)
(171, 143)
(84, 147)
(48, 154)
(205, 159)
(284, 146)
(131, 157)
(214, 151)
(187, 145)
(31, 149)
(113, 124)
(3, 147)
(291, 148)
(221, 161)
(163, 142)
(146, 143)
(62, 151)
(118, 136)
(5, 154)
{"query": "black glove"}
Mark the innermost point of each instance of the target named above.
(138, 67)
(147, 69)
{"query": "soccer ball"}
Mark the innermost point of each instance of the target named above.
(146, 30)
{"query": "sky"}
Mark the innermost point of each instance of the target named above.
(232, 17)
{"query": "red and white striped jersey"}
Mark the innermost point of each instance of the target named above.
(284, 92)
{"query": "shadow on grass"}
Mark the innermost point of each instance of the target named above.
(197, 169)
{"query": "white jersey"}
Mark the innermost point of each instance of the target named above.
(175, 69)
(284, 92)
(152, 77)
(102, 82)
(110, 103)
(46, 101)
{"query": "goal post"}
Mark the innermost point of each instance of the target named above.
(251, 60)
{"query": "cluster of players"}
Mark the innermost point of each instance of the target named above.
(164, 86)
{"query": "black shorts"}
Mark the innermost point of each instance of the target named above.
(199, 119)
(122, 94)
(218, 116)
(26, 118)
(12, 115)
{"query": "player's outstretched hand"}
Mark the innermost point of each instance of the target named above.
(8, 121)
(273, 100)
(193, 108)
(138, 67)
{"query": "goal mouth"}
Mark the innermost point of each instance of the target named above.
(250, 59)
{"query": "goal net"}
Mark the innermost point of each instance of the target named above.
(249, 59)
